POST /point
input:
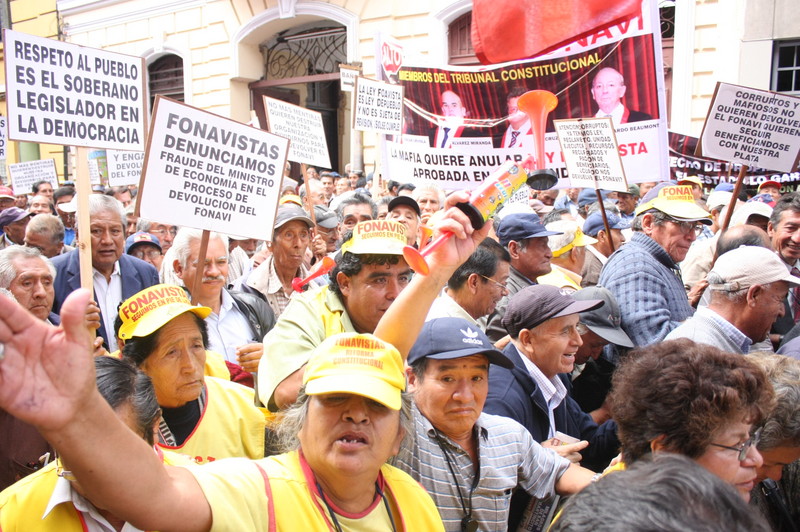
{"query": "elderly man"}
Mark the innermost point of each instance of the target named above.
(40, 204)
(643, 275)
(607, 243)
(405, 210)
(272, 279)
(146, 247)
(13, 222)
(369, 275)
(474, 289)
(326, 232)
(627, 201)
(61, 197)
(773, 188)
(608, 89)
(748, 286)
(354, 209)
(526, 240)
(7, 198)
(430, 199)
(470, 461)
(238, 320)
(317, 194)
(45, 232)
(545, 337)
(116, 276)
(569, 254)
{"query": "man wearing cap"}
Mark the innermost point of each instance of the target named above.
(116, 276)
(356, 208)
(474, 289)
(526, 240)
(591, 380)
(545, 330)
(7, 198)
(45, 232)
(773, 188)
(607, 243)
(405, 210)
(13, 222)
(626, 202)
(273, 277)
(643, 275)
(369, 274)
(63, 195)
(326, 232)
(569, 254)
(238, 320)
(470, 461)
(748, 286)
(146, 247)
(696, 183)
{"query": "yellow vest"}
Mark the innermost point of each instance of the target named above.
(230, 426)
(293, 506)
(332, 320)
(22, 505)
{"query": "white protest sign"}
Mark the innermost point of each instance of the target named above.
(591, 153)
(62, 93)
(303, 127)
(24, 175)
(94, 172)
(378, 107)
(347, 77)
(3, 141)
(752, 127)
(124, 167)
(208, 172)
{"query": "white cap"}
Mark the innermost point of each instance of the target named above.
(746, 266)
(741, 215)
(718, 198)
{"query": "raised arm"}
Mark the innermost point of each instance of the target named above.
(47, 379)
(403, 321)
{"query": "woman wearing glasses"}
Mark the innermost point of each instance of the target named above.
(693, 399)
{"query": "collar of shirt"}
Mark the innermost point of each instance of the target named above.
(226, 304)
(737, 336)
(553, 389)
(602, 258)
(616, 114)
(431, 431)
(96, 272)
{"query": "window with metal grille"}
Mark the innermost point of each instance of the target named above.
(166, 78)
(786, 67)
(459, 40)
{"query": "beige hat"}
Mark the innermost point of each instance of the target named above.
(746, 266)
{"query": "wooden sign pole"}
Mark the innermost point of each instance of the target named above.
(84, 240)
(734, 198)
(201, 266)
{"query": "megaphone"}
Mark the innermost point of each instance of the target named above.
(537, 105)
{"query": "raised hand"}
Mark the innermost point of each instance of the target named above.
(46, 372)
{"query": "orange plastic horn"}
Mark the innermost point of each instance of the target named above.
(537, 105)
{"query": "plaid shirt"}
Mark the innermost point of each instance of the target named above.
(647, 285)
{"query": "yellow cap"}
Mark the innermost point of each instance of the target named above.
(691, 179)
(359, 364)
(674, 200)
(580, 239)
(148, 310)
(291, 198)
(378, 237)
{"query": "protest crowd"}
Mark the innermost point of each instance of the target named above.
(551, 366)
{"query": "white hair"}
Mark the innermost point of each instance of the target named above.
(182, 244)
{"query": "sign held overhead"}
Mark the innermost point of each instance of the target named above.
(24, 175)
(303, 127)
(208, 172)
(752, 127)
(62, 93)
(591, 153)
(378, 107)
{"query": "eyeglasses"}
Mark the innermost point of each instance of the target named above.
(502, 286)
(689, 227)
(150, 254)
(744, 447)
(172, 231)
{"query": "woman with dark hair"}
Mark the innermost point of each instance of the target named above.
(696, 400)
(52, 500)
(205, 417)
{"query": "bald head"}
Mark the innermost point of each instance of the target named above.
(742, 235)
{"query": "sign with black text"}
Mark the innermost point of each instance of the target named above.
(591, 153)
(378, 107)
(208, 172)
(303, 127)
(3, 137)
(62, 93)
(24, 175)
(752, 127)
(124, 167)
(347, 77)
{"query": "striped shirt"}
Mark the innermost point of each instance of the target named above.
(508, 458)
